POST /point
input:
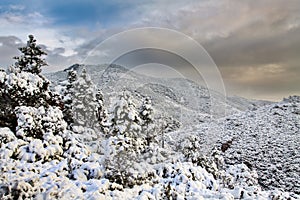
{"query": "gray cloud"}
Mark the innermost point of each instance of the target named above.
(246, 56)
(242, 59)
(255, 44)
(8, 49)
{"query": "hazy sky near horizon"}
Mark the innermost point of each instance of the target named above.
(255, 44)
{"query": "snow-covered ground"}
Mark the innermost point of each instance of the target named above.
(269, 140)
(76, 173)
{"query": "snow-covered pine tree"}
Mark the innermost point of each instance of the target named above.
(102, 115)
(125, 118)
(146, 113)
(84, 101)
(82, 108)
(30, 109)
(124, 143)
(68, 98)
(166, 124)
(23, 85)
(31, 59)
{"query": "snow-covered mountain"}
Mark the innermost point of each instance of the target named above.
(158, 139)
(181, 98)
(263, 135)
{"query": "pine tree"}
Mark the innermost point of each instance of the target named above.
(124, 144)
(84, 101)
(167, 124)
(31, 60)
(125, 119)
(101, 114)
(68, 98)
(22, 85)
(146, 113)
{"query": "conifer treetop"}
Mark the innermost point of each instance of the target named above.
(31, 59)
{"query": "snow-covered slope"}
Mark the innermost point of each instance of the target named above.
(266, 139)
(263, 135)
(269, 140)
(181, 98)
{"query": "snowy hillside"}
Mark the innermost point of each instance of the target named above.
(262, 134)
(181, 98)
(269, 140)
(266, 139)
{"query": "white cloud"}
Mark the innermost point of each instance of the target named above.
(17, 7)
(52, 37)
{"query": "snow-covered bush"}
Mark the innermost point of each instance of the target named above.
(182, 181)
(88, 136)
(191, 149)
(241, 181)
(168, 123)
(23, 89)
(122, 156)
(39, 122)
(292, 99)
(154, 153)
(241, 175)
(38, 135)
(32, 174)
(6, 136)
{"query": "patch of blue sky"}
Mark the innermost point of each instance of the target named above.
(75, 12)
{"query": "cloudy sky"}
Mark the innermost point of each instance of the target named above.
(255, 44)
